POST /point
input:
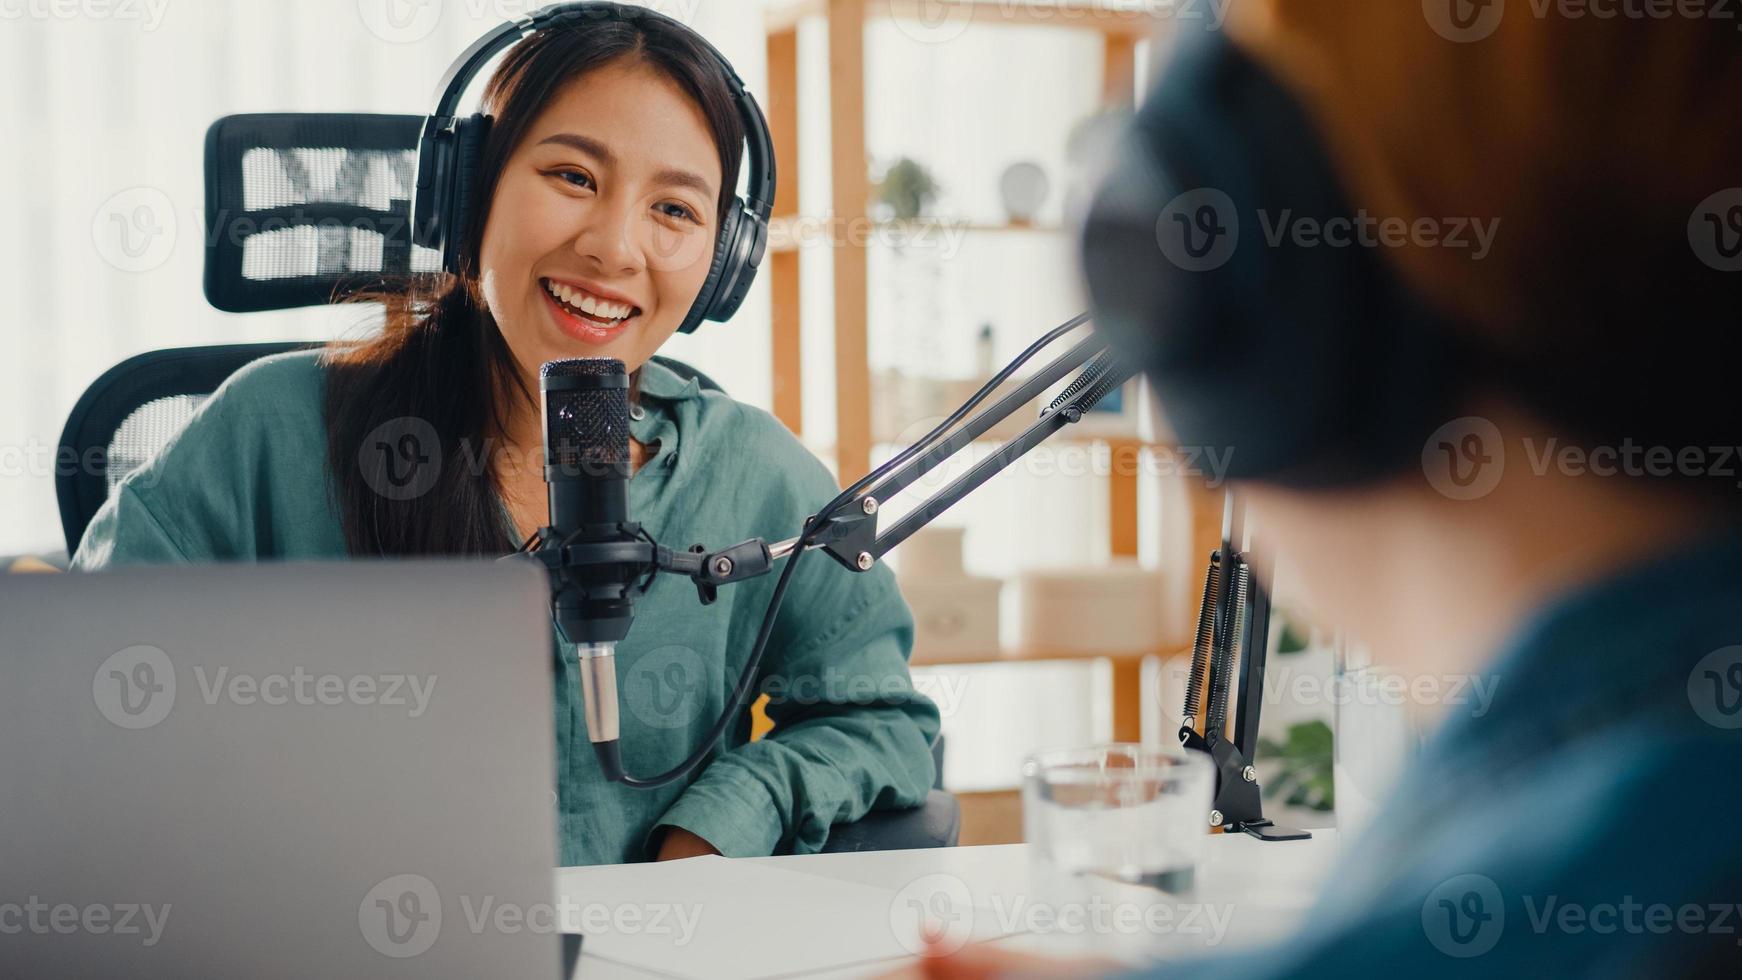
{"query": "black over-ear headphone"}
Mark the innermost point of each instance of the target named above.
(1305, 366)
(448, 150)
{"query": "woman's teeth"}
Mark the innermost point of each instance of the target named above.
(587, 303)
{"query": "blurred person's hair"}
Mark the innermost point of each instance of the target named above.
(1593, 142)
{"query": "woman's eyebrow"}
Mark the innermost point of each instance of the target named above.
(586, 144)
(670, 176)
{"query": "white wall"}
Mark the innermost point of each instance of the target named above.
(111, 112)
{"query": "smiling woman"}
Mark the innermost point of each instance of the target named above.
(605, 180)
(609, 166)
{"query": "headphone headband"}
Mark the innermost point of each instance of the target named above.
(759, 143)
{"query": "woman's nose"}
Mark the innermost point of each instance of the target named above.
(608, 236)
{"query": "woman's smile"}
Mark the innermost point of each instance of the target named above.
(587, 313)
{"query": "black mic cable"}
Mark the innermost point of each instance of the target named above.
(747, 677)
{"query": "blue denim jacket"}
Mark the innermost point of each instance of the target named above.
(1588, 824)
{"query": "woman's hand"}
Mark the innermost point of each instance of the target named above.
(680, 843)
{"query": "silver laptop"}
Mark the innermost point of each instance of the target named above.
(295, 770)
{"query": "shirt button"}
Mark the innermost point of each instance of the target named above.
(637, 413)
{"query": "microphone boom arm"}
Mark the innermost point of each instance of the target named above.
(846, 528)
(852, 539)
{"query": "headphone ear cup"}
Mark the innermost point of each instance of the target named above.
(428, 198)
(742, 244)
(743, 257)
(707, 300)
(456, 214)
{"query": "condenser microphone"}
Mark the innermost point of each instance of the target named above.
(587, 468)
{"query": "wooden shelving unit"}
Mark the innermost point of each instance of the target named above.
(988, 816)
(850, 191)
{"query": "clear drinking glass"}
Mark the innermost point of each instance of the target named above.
(1116, 835)
(1376, 736)
(1133, 814)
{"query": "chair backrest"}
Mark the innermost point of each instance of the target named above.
(133, 410)
(303, 208)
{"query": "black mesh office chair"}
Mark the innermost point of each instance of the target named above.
(300, 211)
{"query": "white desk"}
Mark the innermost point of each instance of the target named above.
(845, 908)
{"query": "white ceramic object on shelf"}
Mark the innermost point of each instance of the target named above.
(1023, 187)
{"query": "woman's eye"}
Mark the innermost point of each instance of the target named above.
(579, 179)
(681, 212)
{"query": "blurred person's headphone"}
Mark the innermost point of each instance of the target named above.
(449, 147)
(1307, 366)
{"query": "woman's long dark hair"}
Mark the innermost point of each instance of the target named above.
(440, 362)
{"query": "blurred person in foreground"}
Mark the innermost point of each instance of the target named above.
(1519, 465)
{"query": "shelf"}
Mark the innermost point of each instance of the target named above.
(1136, 24)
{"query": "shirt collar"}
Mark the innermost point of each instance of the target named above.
(660, 381)
(660, 391)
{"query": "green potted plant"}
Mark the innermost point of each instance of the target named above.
(906, 190)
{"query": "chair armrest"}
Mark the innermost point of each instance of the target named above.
(937, 823)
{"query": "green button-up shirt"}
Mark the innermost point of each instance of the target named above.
(247, 480)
